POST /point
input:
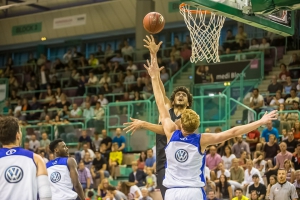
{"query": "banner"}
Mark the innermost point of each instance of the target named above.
(26, 29)
(65, 22)
(223, 72)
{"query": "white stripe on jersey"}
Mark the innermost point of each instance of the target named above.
(185, 163)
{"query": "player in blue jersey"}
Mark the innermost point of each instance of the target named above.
(63, 174)
(23, 174)
(185, 150)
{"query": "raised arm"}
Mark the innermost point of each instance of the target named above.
(74, 177)
(212, 138)
(154, 72)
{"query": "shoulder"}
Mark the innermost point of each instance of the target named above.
(71, 162)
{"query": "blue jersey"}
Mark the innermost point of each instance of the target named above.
(60, 180)
(17, 174)
(185, 163)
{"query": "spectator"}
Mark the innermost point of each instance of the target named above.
(229, 35)
(236, 174)
(254, 44)
(228, 157)
(224, 189)
(239, 147)
(84, 176)
(102, 189)
(142, 159)
(292, 98)
(131, 189)
(283, 189)
(288, 86)
(239, 194)
(127, 51)
(212, 161)
(164, 76)
(6, 107)
(222, 171)
(151, 182)
(44, 79)
(271, 149)
(243, 159)
(117, 59)
(211, 195)
(118, 88)
(258, 187)
(68, 56)
(113, 193)
(288, 166)
(291, 142)
(256, 102)
(173, 65)
(273, 181)
(87, 150)
(277, 100)
(105, 79)
(99, 167)
(284, 73)
(253, 138)
(96, 141)
(88, 112)
(131, 66)
(84, 139)
(90, 194)
(145, 194)
(274, 86)
(88, 161)
(269, 130)
(93, 62)
(151, 160)
(297, 182)
(241, 45)
(240, 56)
(81, 85)
(280, 158)
(294, 60)
(260, 163)
(34, 144)
(265, 47)
(44, 143)
(185, 53)
(175, 53)
(76, 112)
(115, 159)
(249, 172)
(105, 89)
(137, 176)
(106, 140)
(240, 35)
(147, 89)
(119, 139)
(42, 154)
(102, 100)
(292, 119)
(129, 79)
(296, 158)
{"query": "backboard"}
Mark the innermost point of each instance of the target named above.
(262, 14)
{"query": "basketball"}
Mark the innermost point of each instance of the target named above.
(153, 22)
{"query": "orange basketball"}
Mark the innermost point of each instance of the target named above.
(153, 22)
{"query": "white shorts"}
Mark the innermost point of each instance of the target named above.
(185, 194)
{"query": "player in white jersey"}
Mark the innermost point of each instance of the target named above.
(63, 174)
(23, 174)
(185, 151)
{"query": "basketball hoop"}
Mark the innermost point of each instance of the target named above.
(204, 35)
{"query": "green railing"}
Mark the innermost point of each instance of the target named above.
(38, 130)
(69, 132)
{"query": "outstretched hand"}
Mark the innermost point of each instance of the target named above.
(269, 116)
(153, 69)
(151, 45)
(132, 126)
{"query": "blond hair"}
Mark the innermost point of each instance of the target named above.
(190, 120)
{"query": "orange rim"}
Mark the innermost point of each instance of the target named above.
(181, 7)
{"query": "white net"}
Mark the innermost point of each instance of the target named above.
(205, 28)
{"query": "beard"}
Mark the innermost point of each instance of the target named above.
(180, 106)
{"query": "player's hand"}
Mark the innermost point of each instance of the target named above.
(132, 126)
(269, 116)
(151, 45)
(153, 69)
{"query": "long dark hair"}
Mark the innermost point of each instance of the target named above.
(225, 181)
(140, 159)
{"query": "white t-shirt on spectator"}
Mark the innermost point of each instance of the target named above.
(93, 80)
(133, 189)
(132, 67)
(263, 163)
(92, 154)
(264, 46)
(290, 99)
(272, 103)
(127, 51)
(75, 112)
(34, 145)
(103, 102)
(252, 47)
(228, 161)
(104, 80)
(258, 99)
(226, 173)
(248, 178)
(129, 79)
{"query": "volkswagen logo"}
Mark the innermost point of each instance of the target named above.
(10, 152)
(13, 174)
(181, 155)
(55, 177)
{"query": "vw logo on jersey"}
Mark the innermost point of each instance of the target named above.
(181, 155)
(55, 177)
(10, 152)
(13, 174)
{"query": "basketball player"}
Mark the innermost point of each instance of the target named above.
(23, 174)
(185, 151)
(181, 99)
(63, 174)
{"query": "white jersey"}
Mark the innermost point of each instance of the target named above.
(17, 174)
(60, 180)
(185, 166)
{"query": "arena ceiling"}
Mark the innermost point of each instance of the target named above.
(13, 8)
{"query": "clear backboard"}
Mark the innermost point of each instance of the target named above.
(276, 16)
